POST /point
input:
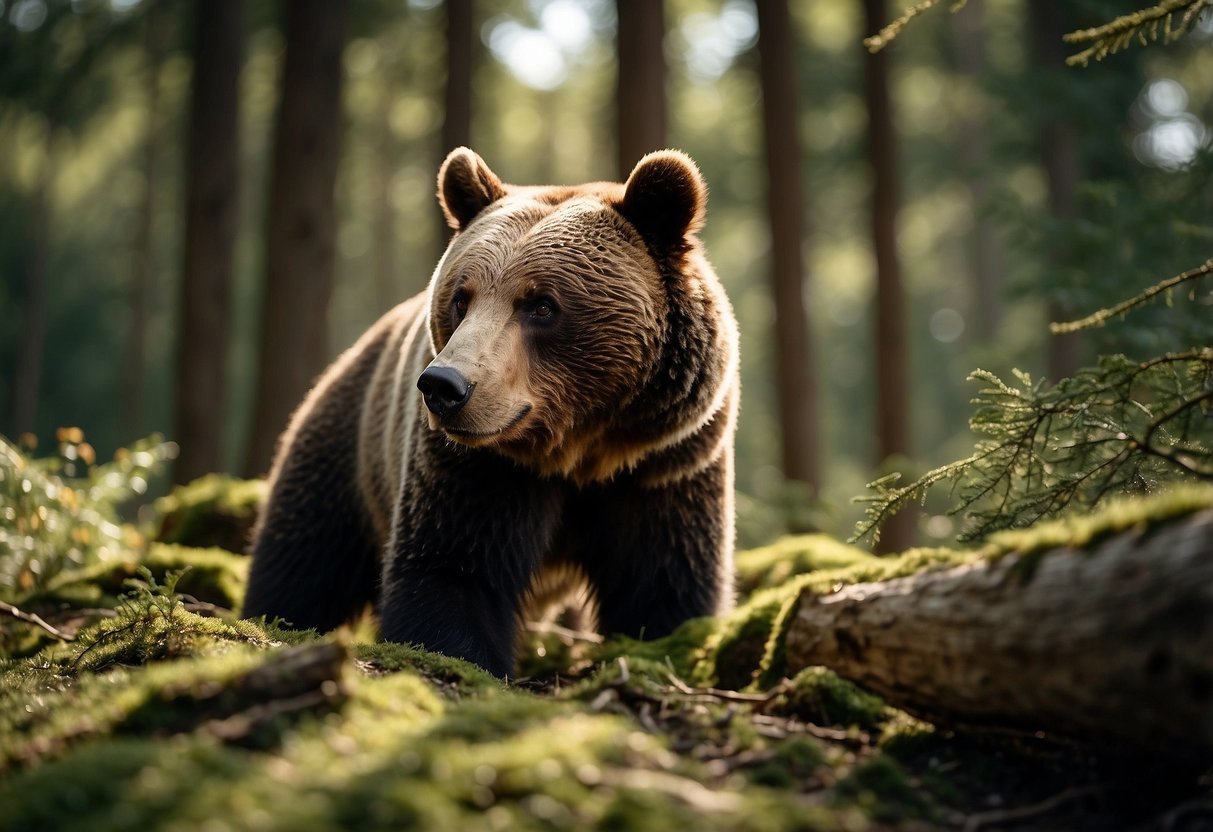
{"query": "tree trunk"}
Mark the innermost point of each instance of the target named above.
(1111, 645)
(640, 98)
(387, 291)
(796, 381)
(27, 385)
(457, 118)
(211, 214)
(973, 147)
(1060, 159)
(457, 115)
(300, 240)
(891, 346)
(144, 267)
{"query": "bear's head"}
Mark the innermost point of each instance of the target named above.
(557, 312)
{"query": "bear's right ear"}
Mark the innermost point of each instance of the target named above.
(466, 187)
(665, 198)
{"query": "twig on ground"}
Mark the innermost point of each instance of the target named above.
(552, 628)
(985, 820)
(35, 619)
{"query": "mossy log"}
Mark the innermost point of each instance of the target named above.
(1110, 644)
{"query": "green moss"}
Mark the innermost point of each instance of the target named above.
(1083, 531)
(43, 713)
(774, 564)
(881, 789)
(683, 651)
(397, 756)
(454, 676)
(213, 576)
(793, 761)
(819, 696)
(215, 510)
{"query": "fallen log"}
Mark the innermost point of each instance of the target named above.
(1111, 644)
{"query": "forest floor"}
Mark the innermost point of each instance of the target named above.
(131, 698)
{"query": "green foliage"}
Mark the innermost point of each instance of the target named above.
(1124, 427)
(63, 512)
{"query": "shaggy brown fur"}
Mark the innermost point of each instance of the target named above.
(587, 430)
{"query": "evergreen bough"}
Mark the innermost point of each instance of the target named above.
(1168, 20)
(1122, 427)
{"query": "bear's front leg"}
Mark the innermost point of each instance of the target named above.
(658, 556)
(470, 533)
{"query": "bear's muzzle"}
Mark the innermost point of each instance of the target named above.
(444, 390)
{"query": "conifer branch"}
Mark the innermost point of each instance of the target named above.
(885, 36)
(1143, 26)
(1099, 317)
(1120, 427)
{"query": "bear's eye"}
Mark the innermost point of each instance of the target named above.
(543, 310)
(459, 306)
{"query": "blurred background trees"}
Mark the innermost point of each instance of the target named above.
(212, 199)
(1026, 191)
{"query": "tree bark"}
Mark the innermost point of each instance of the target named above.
(457, 101)
(640, 98)
(144, 267)
(211, 214)
(457, 117)
(27, 384)
(891, 346)
(387, 292)
(1111, 645)
(796, 379)
(1060, 158)
(301, 234)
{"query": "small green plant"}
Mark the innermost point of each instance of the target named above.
(149, 624)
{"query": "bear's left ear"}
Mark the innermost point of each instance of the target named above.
(466, 187)
(665, 198)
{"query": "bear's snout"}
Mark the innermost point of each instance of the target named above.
(444, 389)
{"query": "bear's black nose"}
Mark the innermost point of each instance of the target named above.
(444, 389)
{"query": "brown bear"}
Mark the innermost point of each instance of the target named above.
(561, 401)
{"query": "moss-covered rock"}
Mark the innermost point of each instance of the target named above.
(212, 511)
